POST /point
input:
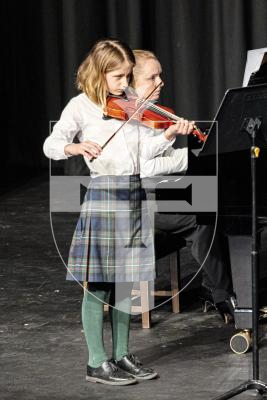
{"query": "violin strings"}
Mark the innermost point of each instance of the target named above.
(163, 112)
(167, 113)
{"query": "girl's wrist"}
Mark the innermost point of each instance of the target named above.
(169, 136)
(67, 150)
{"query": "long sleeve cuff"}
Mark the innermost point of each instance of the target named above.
(54, 148)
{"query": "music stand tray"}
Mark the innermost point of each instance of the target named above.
(237, 105)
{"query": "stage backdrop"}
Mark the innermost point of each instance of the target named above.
(202, 45)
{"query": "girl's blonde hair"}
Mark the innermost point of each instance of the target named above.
(141, 56)
(105, 56)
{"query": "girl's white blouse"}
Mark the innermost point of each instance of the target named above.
(122, 154)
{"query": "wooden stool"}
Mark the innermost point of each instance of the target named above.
(143, 292)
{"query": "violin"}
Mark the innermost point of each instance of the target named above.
(155, 116)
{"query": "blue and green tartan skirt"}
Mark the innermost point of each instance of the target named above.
(113, 240)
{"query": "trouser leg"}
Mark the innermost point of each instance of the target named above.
(215, 269)
(209, 250)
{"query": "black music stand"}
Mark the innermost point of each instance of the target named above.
(241, 123)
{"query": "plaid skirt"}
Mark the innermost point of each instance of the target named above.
(113, 240)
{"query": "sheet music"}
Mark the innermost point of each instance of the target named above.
(254, 61)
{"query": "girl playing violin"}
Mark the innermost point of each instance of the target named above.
(110, 248)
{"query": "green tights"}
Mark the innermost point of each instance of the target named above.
(119, 296)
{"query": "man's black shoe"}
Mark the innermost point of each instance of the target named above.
(132, 365)
(226, 310)
(225, 307)
(206, 298)
(109, 374)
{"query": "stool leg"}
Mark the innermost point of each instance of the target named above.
(144, 295)
(175, 281)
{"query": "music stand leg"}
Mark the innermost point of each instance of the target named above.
(260, 386)
(252, 127)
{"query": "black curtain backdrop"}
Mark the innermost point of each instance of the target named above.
(202, 45)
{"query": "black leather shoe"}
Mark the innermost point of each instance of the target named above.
(109, 374)
(132, 365)
(226, 310)
(207, 299)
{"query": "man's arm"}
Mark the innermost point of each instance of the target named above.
(175, 161)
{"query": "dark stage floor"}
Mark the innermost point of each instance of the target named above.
(43, 350)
